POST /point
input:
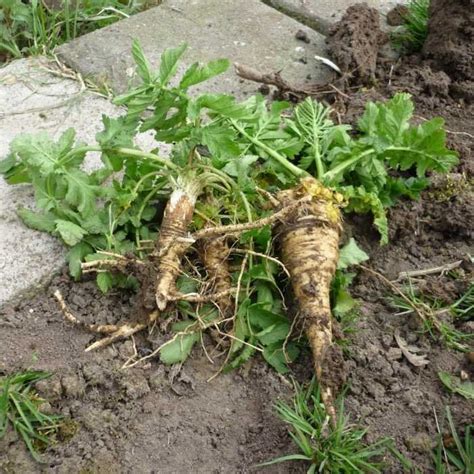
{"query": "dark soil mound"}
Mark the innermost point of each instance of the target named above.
(354, 43)
(450, 41)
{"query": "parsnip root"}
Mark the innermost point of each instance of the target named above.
(214, 254)
(309, 242)
(173, 243)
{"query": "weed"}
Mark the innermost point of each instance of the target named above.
(20, 406)
(34, 28)
(434, 315)
(463, 308)
(411, 35)
(455, 454)
(465, 388)
(339, 448)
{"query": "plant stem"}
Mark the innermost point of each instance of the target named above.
(329, 175)
(319, 165)
(125, 151)
(293, 169)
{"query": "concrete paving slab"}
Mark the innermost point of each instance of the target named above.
(247, 31)
(32, 100)
(321, 14)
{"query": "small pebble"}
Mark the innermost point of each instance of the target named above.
(302, 36)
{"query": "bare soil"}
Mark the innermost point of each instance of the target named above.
(148, 419)
(158, 419)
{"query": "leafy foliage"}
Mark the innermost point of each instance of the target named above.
(227, 152)
(20, 407)
(327, 448)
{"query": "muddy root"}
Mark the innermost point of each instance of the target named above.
(214, 254)
(309, 245)
(172, 244)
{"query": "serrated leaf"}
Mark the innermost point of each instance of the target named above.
(178, 350)
(351, 254)
(45, 222)
(80, 193)
(220, 140)
(311, 123)
(39, 151)
(278, 358)
(75, 256)
(455, 384)
(386, 122)
(361, 201)
(143, 66)
(71, 233)
(222, 104)
(104, 281)
(240, 165)
(273, 334)
(344, 302)
(117, 133)
(169, 63)
(197, 73)
(245, 354)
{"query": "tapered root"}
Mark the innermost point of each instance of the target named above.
(214, 254)
(309, 243)
(172, 244)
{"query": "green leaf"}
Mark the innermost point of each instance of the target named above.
(44, 222)
(278, 358)
(39, 151)
(261, 236)
(7, 163)
(178, 349)
(71, 233)
(456, 385)
(117, 133)
(220, 140)
(312, 124)
(273, 334)
(240, 165)
(361, 201)
(386, 122)
(80, 193)
(264, 295)
(143, 66)
(245, 354)
(197, 72)
(261, 318)
(75, 256)
(221, 104)
(351, 254)
(344, 302)
(169, 63)
(105, 281)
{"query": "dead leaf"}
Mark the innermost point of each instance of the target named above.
(410, 352)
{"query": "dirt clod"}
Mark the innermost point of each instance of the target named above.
(354, 43)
